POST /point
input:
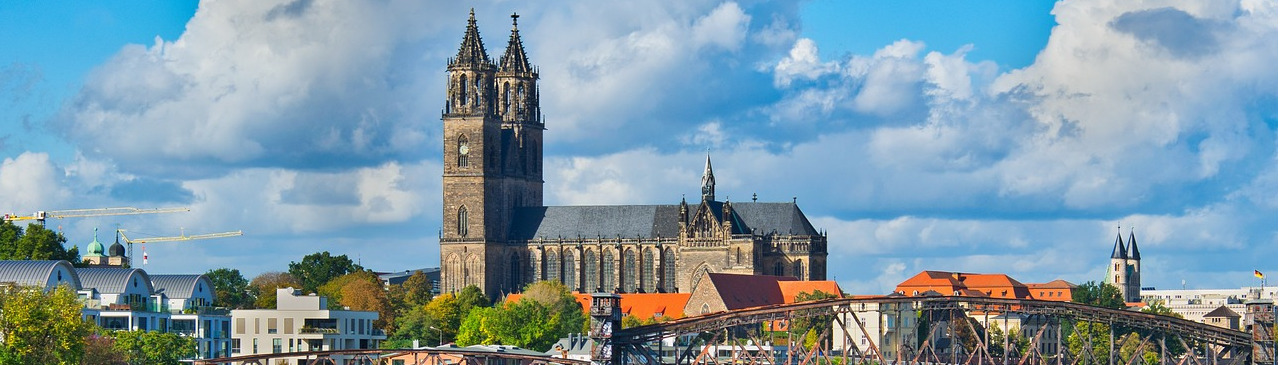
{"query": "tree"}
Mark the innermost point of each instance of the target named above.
(1157, 307)
(154, 347)
(41, 327)
(415, 324)
(100, 349)
(318, 268)
(361, 291)
(263, 287)
(417, 289)
(471, 297)
(800, 326)
(1098, 295)
(230, 289)
(557, 298)
(37, 243)
(446, 313)
(1088, 343)
(546, 313)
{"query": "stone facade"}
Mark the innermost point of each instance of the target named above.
(498, 236)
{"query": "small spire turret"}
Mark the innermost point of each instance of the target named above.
(471, 52)
(1119, 252)
(514, 60)
(708, 182)
(1133, 246)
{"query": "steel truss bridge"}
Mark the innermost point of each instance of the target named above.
(461, 356)
(744, 336)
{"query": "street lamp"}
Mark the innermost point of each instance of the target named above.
(441, 342)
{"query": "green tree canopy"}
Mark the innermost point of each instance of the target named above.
(41, 327)
(471, 297)
(36, 243)
(361, 291)
(318, 268)
(230, 289)
(1098, 295)
(141, 347)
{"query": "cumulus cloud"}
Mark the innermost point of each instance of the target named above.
(31, 182)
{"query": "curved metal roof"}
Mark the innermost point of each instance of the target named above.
(180, 286)
(112, 280)
(35, 272)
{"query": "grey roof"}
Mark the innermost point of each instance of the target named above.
(1133, 247)
(111, 280)
(650, 221)
(784, 218)
(630, 221)
(575, 344)
(179, 286)
(34, 272)
(1118, 252)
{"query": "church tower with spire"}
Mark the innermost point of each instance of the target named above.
(493, 161)
(1125, 270)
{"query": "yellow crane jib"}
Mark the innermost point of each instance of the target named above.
(181, 237)
(41, 216)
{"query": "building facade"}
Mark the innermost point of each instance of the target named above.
(498, 235)
(302, 323)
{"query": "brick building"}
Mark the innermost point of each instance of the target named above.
(498, 235)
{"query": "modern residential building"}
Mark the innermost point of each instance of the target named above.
(131, 300)
(302, 323)
(190, 304)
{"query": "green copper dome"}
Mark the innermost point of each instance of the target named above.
(95, 248)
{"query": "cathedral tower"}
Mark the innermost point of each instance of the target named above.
(1125, 270)
(492, 160)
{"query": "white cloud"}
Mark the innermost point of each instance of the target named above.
(31, 182)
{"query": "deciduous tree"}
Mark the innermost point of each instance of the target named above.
(39, 327)
(1098, 295)
(36, 243)
(318, 268)
(361, 291)
(154, 347)
(230, 289)
(263, 287)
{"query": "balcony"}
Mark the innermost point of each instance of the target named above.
(318, 330)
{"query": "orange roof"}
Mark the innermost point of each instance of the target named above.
(1056, 284)
(640, 305)
(965, 284)
(791, 288)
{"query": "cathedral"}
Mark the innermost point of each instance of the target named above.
(1125, 271)
(498, 235)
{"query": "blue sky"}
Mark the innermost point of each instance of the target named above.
(1003, 136)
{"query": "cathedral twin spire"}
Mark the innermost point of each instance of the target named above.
(472, 51)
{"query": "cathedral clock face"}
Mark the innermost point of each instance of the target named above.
(463, 149)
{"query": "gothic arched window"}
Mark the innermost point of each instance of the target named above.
(463, 98)
(669, 271)
(607, 283)
(514, 278)
(777, 269)
(462, 221)
(506, 97)
(464, 151)
(590, 272)
(646, 271)
(629, 271)
(553, 265)
(570, 272)
(797, 268)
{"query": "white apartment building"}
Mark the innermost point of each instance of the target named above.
(887, 326)
(1193, 304)
(190, 301)
(302, 323)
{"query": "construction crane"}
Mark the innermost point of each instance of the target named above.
(40, 216)
(180, 237)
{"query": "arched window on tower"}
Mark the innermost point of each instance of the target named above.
(461, 97)
(629, 271)
(669, 271)
(464, 151)
(607, 282)
(777, 269)
(515, 280)
(590, 271)
(506, 97)
(462, 221)
(797, 268)
(520, 99)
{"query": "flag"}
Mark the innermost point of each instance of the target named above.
(1258, 274)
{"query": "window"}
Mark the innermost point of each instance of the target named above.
(646, 271)
(570, 272)
(798, 269)
(462, 221)
(235, 345)
(553, 266)
(606, 267)
(777, 269)
(255, 346)
(669, 270)
(275, 345)
(629, 271)
(590, 272)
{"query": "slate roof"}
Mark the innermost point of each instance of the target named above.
(1133, 247)
(34, 272)
(1118, 252)
(179, 286)
(1222, 312)
(650, 221)
(111, 280)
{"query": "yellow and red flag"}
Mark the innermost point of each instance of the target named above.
(1258, 274)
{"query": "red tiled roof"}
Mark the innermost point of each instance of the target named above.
(790, 289)
(636, 304)
(744, 291)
